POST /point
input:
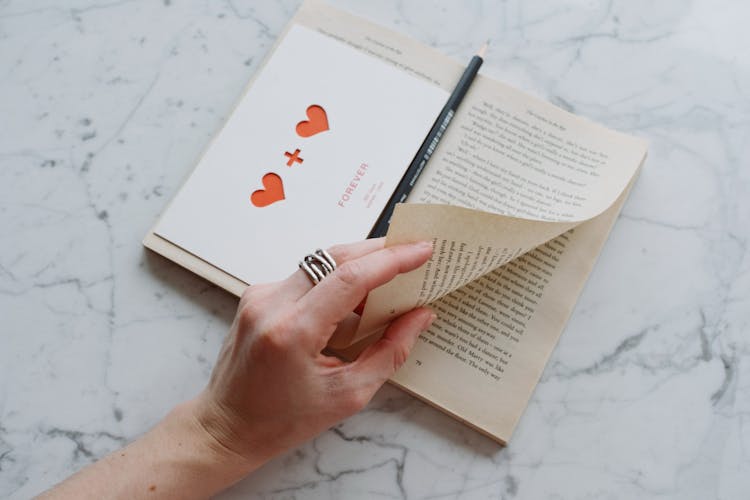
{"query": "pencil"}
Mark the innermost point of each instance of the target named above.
(405, 185)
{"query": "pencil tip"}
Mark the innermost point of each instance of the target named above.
(483, 50)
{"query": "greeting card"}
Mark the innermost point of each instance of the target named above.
(308, 158)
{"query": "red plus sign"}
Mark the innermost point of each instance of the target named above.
(293, 157)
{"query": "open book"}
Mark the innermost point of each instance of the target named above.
(518, 199)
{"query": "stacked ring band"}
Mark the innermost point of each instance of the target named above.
(317, 265)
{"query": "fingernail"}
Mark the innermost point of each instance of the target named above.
(429, 321)
(423, 244)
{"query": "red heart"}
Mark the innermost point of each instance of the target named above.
(273, 192)
(317, 122)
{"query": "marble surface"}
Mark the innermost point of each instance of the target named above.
(104, 105)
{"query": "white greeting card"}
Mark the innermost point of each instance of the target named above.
(308, 159)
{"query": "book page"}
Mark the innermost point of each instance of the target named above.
(508, 153)
(391, 47)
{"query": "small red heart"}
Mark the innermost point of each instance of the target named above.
(317, 121)
(273, 191)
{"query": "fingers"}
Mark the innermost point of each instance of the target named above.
(299, 283)
(381, 360)
(339, 293)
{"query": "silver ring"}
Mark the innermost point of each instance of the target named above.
(320, 263)
(317, 265)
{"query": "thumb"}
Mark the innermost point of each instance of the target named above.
(381, 360)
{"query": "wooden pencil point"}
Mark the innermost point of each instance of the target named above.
(483, 50)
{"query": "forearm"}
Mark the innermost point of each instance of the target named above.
(176, 459)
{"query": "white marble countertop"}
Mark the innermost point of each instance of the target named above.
(104, 106)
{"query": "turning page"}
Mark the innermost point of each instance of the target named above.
(512, 173)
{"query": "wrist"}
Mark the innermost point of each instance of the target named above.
(187, 446)
(234, 444)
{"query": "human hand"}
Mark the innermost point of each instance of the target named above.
(271, 388)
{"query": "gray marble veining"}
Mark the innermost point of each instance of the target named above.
(104, 106)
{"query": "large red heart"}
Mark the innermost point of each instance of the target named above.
(273, 191)
(317, 121)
